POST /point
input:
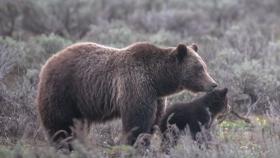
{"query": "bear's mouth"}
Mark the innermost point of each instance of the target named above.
(181, 87)
(196, 89)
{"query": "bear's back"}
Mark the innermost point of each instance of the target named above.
(77, 57)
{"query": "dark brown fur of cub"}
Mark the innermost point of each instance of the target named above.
(195, 114)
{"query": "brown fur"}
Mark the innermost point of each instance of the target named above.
(91, 82)
(196, 114)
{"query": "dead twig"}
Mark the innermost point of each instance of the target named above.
(223, 117)
(247, 120)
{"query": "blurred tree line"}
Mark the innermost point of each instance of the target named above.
(75, 19)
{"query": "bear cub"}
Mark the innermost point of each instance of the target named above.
(196, 114)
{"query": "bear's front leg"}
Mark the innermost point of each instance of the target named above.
(160, 109)
(194, 128)
(137, 119)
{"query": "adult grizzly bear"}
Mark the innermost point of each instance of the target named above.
(91, 82)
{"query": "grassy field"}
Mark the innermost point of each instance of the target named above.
(232, 139)
(239, 40)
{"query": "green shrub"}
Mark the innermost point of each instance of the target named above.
(115, 34)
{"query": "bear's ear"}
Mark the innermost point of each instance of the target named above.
(224, 92)
(194, 47)
(181, 52)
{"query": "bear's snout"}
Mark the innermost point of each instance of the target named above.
(211, 87)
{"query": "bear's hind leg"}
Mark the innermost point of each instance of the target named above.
(58, 124)
(61, 136)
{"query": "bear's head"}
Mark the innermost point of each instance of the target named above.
(193, 70)
(217, 101)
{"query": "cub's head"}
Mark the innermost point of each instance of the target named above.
(193, 70)
(218, 102)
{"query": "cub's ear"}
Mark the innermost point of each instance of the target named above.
(181, 52)
(194, 47)
(224, 92)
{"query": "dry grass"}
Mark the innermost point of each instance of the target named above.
(231, 139)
